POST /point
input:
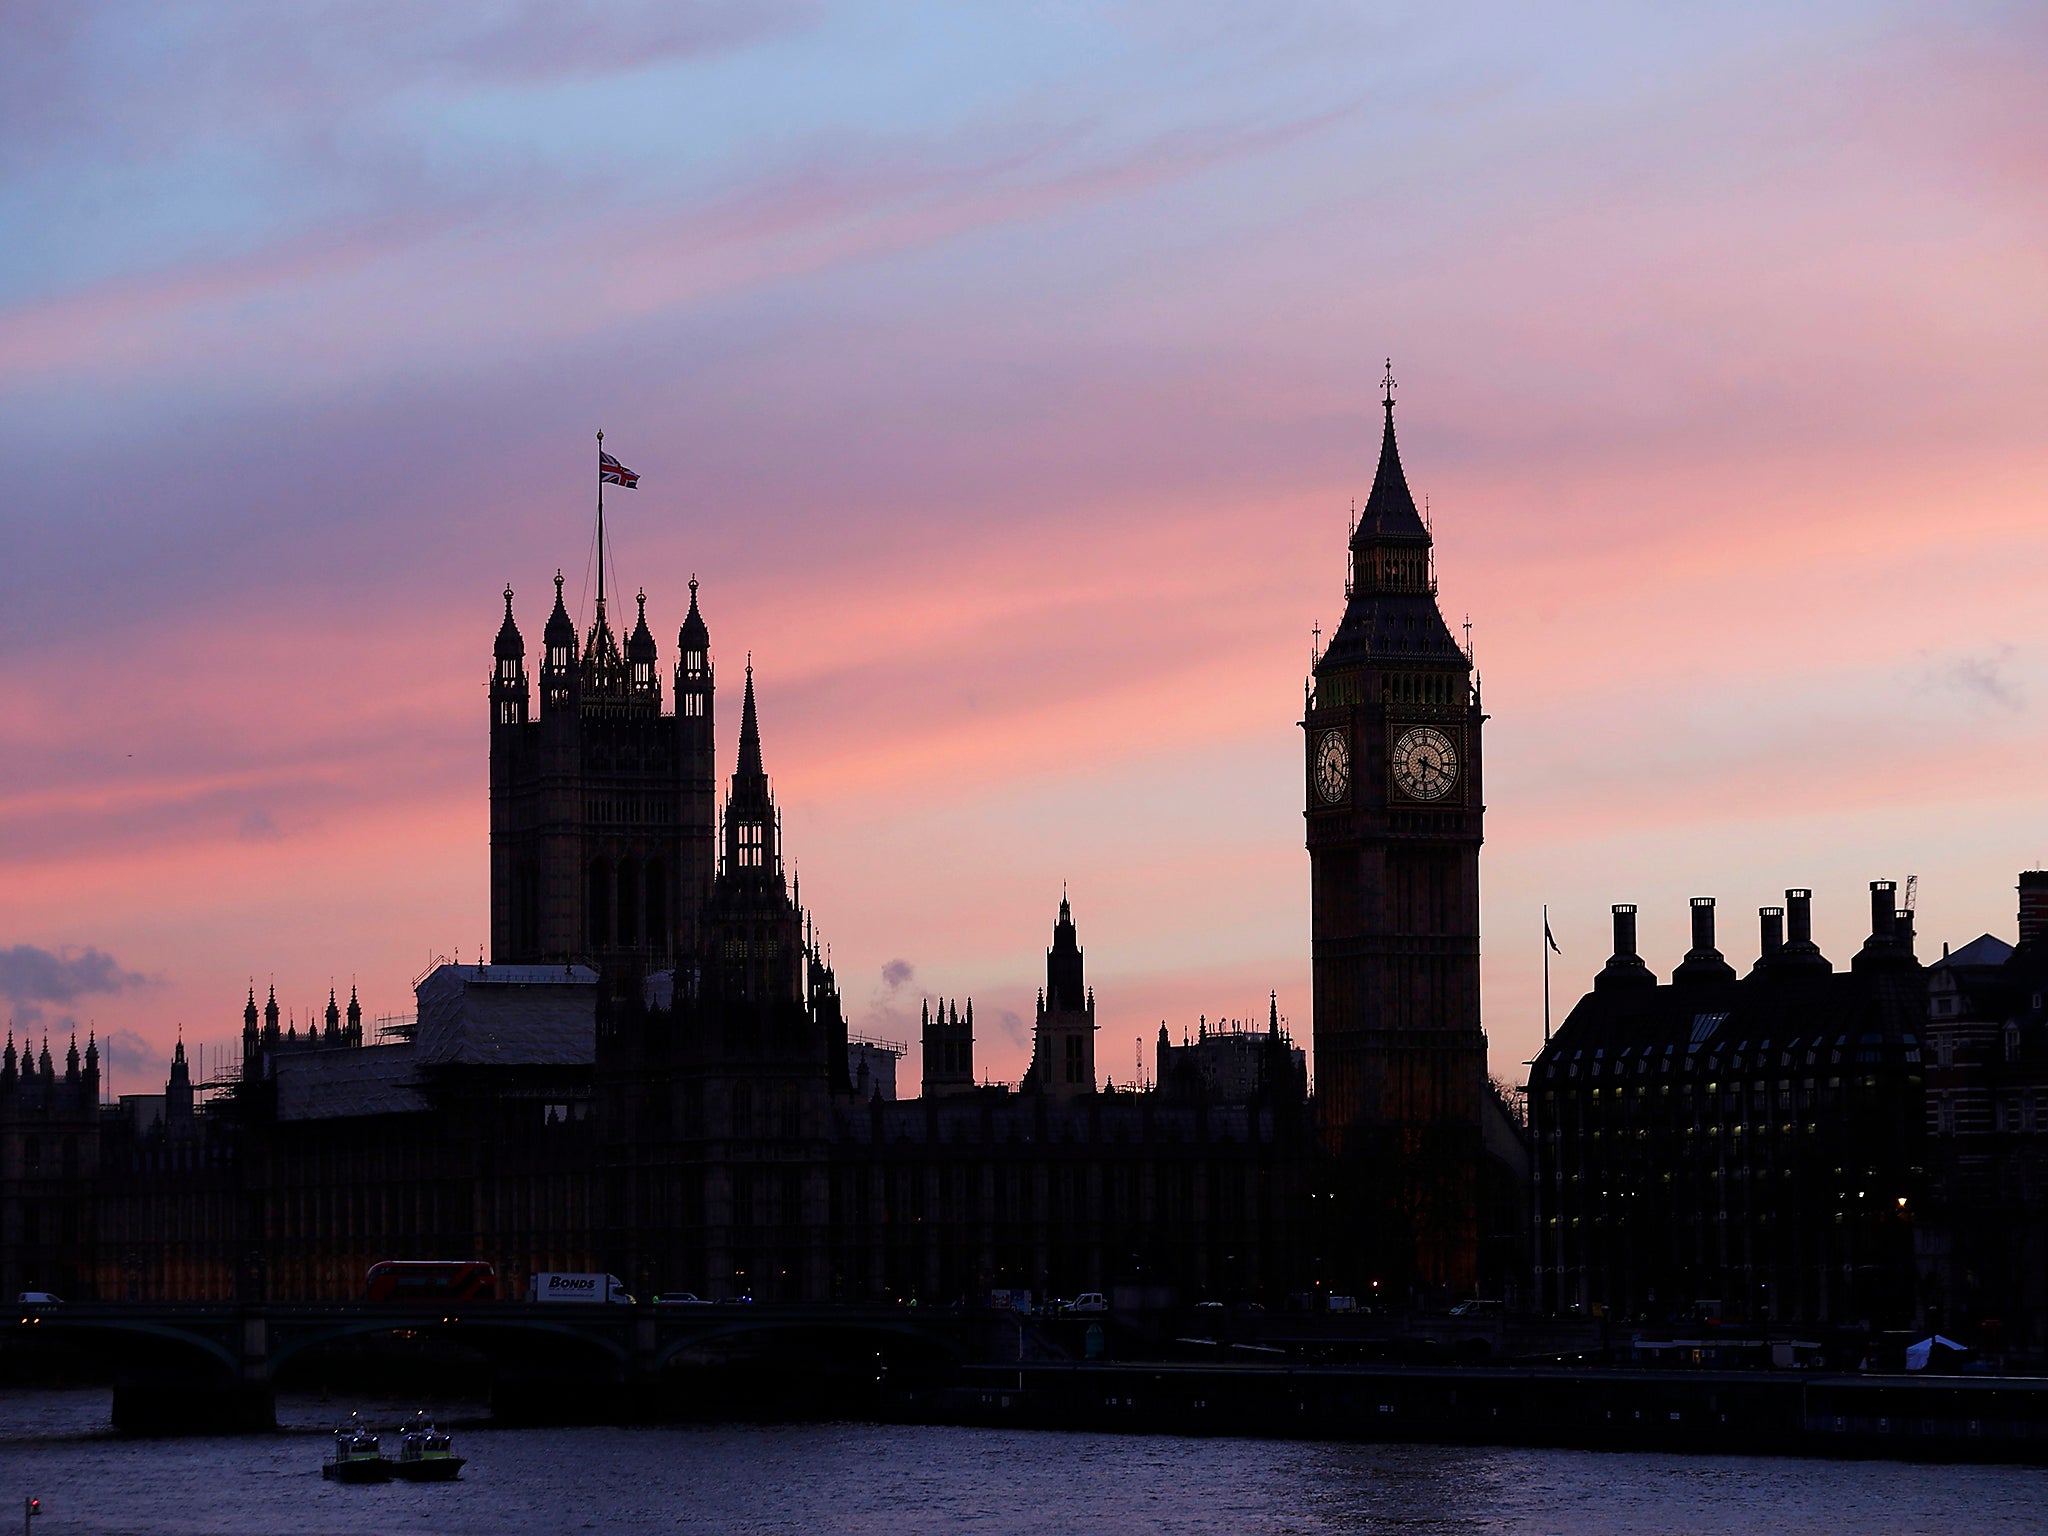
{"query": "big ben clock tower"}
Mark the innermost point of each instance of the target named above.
(1394, 814)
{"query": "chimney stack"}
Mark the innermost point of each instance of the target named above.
(1703, 923)
(1624, 967)
(1883, 949)
(1703, 961)
(1625, 931)
(1773, 919)
(2033, 906)
(1799, 917)
(1800, 952)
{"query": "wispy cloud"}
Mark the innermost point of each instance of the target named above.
(1984, 679)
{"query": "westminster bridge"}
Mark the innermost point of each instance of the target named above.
(189, 1366)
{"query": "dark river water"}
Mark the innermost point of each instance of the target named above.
(819, 1480)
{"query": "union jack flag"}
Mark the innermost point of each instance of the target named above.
(611, 472)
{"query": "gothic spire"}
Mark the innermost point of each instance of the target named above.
(750, 732)
(1390, 508)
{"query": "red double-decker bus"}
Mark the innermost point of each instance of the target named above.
(431, 1280)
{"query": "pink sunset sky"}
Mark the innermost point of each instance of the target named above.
(1005, 373)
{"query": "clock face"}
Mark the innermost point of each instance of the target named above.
(1425, 764)
(1333, 767)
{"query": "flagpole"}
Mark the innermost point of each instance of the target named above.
(1546, 973)
(600, 522)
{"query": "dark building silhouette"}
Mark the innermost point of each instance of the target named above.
(1394, 824)
(1746, 1148)
(652, 1076)
(602, 805)
(1063, 1039)
(49, 1154)
(1983, 1241)
(948, 1049)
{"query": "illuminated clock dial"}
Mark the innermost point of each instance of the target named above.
(1333, 767)
(1425, 764)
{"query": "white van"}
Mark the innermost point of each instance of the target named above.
(581, 1289)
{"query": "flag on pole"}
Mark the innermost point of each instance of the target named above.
(611, 472)
(1548, 939)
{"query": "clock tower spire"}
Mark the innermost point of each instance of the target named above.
(1394, 825)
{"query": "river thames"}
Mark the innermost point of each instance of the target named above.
(823, 1479)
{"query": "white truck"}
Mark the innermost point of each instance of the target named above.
(585, 1290)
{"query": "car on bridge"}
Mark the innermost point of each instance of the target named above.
(39, 1299)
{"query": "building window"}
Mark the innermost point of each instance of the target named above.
(643, 675)
(693, 663)
(1073, 1058)
(693, 704)
(750, 845)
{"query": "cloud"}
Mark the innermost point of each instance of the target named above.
(30, 975)
(1981, 678)
(1012, 1024)
(127, 1055)
(257, 826)
(148, 85)
(897, 972)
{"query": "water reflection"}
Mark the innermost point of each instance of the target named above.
(819, 1479)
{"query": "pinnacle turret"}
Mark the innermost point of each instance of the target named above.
(560, 635)
(640, 646)
(693, 633)
(511, 646)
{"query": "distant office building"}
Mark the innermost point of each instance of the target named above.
(1752, 1147)
(1983, 1242)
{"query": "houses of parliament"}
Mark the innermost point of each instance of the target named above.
(653, 1073)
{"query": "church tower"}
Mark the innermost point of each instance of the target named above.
(1063, 1043)
(1394, 823)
